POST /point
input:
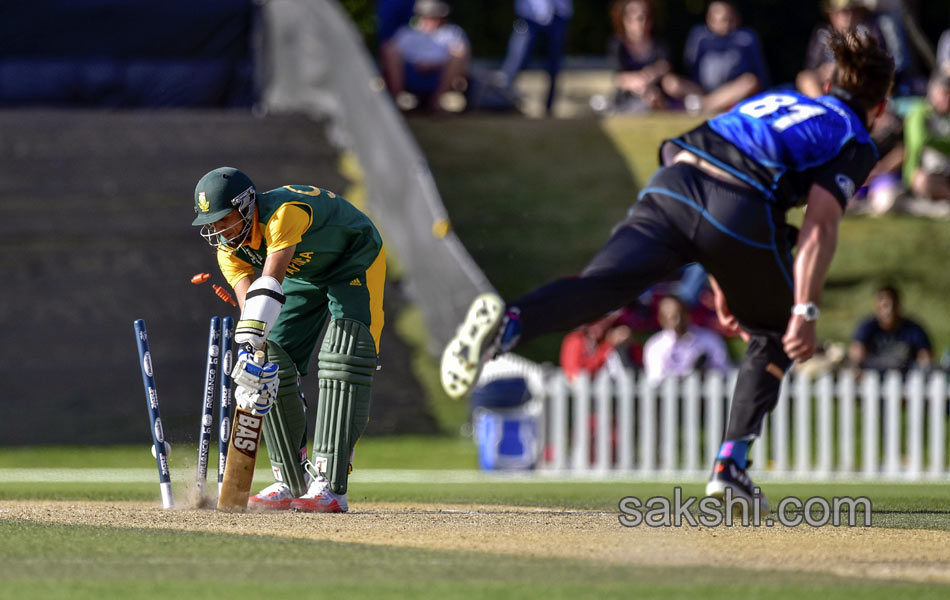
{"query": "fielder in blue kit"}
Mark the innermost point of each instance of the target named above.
(720, 199)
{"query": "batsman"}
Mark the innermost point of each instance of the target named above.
(319, 257)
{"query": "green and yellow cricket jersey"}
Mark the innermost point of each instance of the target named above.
(335, 241)
(338, 267)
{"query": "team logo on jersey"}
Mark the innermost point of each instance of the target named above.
(203, 203)
(845, 185)
(356, 283)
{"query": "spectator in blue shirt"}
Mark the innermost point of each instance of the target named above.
(428, 58)
(535, 19)
(888, 340)
(725, 63)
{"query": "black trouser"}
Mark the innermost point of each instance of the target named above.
(683, 216)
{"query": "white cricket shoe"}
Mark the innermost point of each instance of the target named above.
(465, 353)
(320, 498)
(276, 496)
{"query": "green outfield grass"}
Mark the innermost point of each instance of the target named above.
(41, 559)
(97, 562)
(385, 452)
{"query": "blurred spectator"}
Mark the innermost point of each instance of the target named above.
(843, 15)
(888, 340)
(681, 348)
(884, 190)
(593, 346)
(884, 21)
(892, 18)
(943, 52)
(725, 62)
(428, 58)
(638, 59)
(391, 15)
(535, 19)
(927, 143)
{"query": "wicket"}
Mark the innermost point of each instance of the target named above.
(220, 353)
(207, 411)
(227, 395)
(151, 399)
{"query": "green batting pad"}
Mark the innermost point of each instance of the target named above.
(347, 363)
(285, 426)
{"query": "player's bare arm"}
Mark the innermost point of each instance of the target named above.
(816, 247)
(275, 266)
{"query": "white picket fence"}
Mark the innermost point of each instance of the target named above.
(837, 426)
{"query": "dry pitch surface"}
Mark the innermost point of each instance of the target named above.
(895, 554)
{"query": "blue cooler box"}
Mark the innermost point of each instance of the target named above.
(506, 423)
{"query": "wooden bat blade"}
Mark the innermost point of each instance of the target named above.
(242, 456)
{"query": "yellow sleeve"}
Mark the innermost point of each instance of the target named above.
(233, 268)
(287, 226)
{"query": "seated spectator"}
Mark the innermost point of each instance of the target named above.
(534, 20)
(591, 347)
(638, 59)
(725, 63)
(681, 348)
(888, 340)
(428, 58)
(843, 15)
(927, 142)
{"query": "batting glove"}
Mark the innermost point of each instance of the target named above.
(258, 403)
(257, 383)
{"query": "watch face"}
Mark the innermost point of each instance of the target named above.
(808, 311)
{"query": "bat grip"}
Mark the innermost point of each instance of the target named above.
(260, 356)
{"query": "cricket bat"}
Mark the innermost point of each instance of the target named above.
(242, 457)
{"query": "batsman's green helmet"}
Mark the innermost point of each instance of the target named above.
(219, 192)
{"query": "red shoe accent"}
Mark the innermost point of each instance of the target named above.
(255, 503)
(315, 505)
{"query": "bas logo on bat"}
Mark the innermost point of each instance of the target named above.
(247, 433)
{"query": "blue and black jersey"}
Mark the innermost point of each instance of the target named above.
(782, 143)
(778, 145)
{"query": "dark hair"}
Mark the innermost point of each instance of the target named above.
(733, 4)
(891, 291)
(862, 67)
(616, 13)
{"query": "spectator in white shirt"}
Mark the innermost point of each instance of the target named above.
(681, 347)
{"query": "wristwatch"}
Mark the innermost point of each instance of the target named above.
(808, 311)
